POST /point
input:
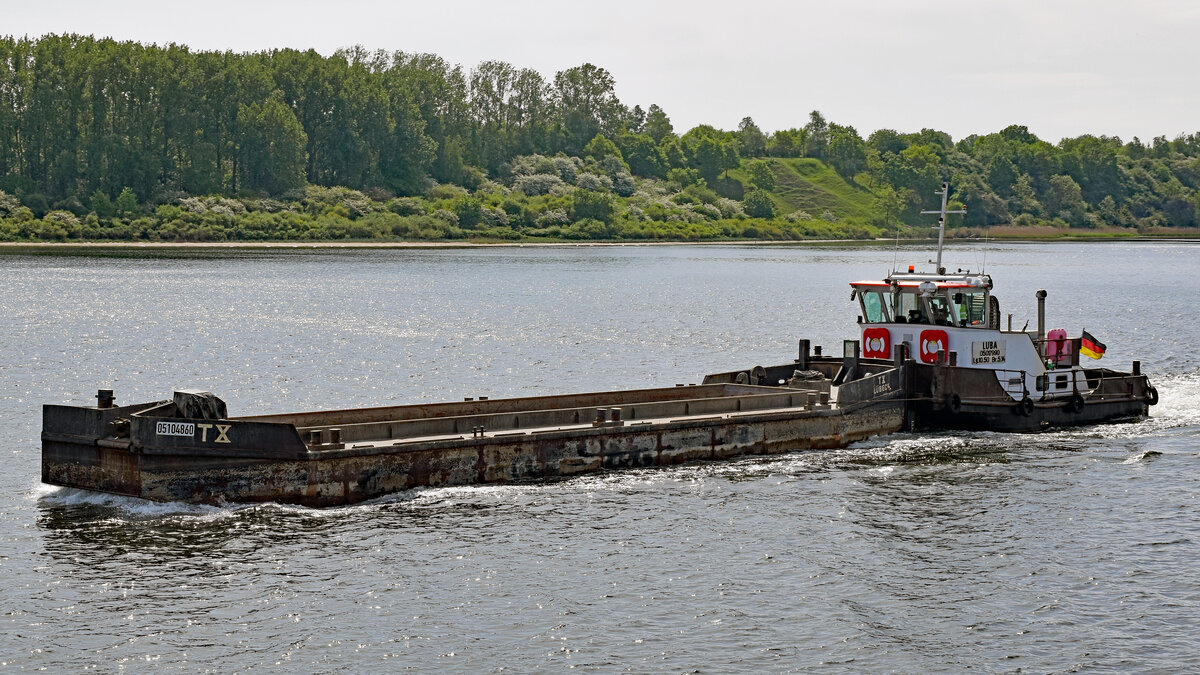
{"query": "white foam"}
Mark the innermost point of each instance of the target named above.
(133, 506)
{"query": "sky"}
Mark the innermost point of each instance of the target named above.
(1060, 67)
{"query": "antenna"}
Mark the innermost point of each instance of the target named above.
(941, 226)
(896, 251)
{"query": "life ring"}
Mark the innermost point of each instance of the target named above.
(1076, 403)
(954, 403)
(1025, 407)
(1151, 396)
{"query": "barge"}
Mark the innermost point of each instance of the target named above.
(930, 354)
(188, 448)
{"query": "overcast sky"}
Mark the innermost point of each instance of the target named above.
(1060, 67)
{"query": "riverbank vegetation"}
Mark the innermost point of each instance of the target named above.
(106, 140)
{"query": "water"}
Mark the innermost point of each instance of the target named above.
(1066, 551)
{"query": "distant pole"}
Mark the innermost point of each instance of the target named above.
(941, 226)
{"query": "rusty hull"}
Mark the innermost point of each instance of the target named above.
(346, 456)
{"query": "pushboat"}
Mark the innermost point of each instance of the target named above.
(930, 355)
(969, 373)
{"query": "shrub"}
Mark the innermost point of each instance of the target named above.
(444, 191)
(469, 211)
(537, 184)
(553, 217)
(127, 202)
(758, 204)
(64, 218)
(446, 216)
(593, 205)
(730, 208)
(8, 203)
(591, 181)
(494, 217)
(682, 178)
(624, 184)
(405, 206)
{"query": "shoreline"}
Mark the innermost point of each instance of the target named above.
(166, 245)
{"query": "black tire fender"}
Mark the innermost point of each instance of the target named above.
(1076, 403)
(1025, 407)
(954, 403)
(1151, 396)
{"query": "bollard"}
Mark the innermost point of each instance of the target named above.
(105, 398)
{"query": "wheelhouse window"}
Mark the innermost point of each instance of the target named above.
(872, 306)
(907, 308)
(971, 308)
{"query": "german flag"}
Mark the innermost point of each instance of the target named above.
(1090, 346)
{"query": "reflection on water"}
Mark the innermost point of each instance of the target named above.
(1068, 550)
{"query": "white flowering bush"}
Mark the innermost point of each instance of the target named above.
(214, 204)
(494, 217)
(553, 217)
(624, 184)
(537, 184)
(730, 208)
(61, 218)
(591, 181)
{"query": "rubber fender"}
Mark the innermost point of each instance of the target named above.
(1076, 403)
(1025, 407)
(954, 403)
(1151, 396)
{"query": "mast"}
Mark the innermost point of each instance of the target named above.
(941, 226)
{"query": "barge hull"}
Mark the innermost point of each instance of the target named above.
(343, 457)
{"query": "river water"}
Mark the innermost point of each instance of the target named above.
(1072, 550)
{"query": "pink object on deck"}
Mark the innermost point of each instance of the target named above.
(1058, 347)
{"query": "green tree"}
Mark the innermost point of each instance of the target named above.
(127, 202)
(101, 205)
(1064, 199)
(596, 205)
(709, 151)
(761, 175)
(751, 140)
(587, 103)
(846, 152)
(272, 151)
(758, 204)
(600, 147)
(816, 134)
(787, 143)
(890, 202)
(644, 157)
(658, 125)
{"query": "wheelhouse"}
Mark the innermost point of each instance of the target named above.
(962, 300)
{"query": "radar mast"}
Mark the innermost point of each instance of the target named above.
(941, 226)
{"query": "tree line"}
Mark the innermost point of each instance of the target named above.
(112, 130)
